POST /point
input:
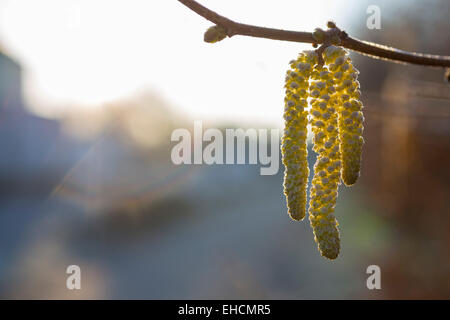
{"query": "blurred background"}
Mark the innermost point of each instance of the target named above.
(90, 92)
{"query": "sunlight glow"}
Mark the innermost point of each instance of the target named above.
(86, 53)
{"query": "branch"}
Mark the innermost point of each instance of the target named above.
(372, 49)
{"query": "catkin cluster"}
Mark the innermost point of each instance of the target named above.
(336, 121)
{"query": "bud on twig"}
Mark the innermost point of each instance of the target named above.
(215, 34)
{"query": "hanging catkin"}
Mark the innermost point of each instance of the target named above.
(350, 111)
(324, 124)
(295, 132)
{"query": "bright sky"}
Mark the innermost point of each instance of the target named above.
(88, 52)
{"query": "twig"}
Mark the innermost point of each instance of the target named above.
(372, 49)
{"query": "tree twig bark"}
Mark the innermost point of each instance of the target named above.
(372, 49)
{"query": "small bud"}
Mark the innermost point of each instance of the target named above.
(331, 24)
(215, 34)
(319, 35)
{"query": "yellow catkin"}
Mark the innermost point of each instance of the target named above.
(324, 189)
(294, 138)
(350, 111)
(336, 121)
